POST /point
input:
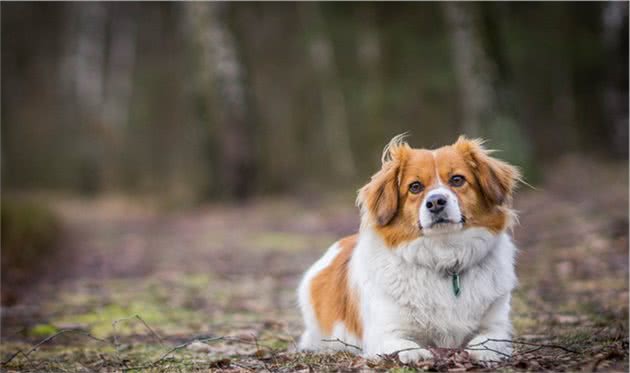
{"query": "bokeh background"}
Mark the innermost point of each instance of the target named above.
(216, 148)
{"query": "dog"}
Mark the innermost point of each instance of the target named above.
(432, 265)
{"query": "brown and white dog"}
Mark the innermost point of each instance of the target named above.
(431, 266)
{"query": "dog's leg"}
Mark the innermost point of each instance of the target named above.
(495, 326)
(309, 341)
(384, 333)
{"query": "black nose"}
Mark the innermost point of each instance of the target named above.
(436, 203)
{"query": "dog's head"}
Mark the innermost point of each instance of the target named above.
(421, 192)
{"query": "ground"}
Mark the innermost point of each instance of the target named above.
(132, 286)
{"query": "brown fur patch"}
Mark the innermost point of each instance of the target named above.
(484, 198)
(496, 178)
(381, 195)
(332, 298)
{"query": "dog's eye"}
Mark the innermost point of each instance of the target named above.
(416, 187)
(457, 180)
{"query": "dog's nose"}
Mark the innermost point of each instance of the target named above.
(436, 203)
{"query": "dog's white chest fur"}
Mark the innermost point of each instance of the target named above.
(418, 278)
(407, 298)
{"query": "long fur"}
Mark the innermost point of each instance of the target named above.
(404, 294)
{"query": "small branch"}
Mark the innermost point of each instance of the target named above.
(395, 353)
(137, 317)
(342, 342)
(50, 338)
(531, 350)
(18, 352)
(175, 349)
(524, 343)
(489, 349)
(186, 344)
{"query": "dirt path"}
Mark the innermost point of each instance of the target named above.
(231, 271)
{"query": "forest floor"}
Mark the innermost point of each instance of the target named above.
(132, 287)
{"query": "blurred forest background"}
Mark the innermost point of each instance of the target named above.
(193, 102)
(170, 169)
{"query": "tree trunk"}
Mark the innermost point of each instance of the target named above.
(222, 72)
(333, 104)
(370, 62)
(471, 67)
(478, 83)
(118, 89)
(89, 80)
(614, 18)
(120, 63)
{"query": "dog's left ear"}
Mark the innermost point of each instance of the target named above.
(496, 178)
(379, 197)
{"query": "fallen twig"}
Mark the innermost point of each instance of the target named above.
(174, 349)
(541, 345)
(155, 334)
(395, 353)
(485, 348)
(50, 338)
(343, 343)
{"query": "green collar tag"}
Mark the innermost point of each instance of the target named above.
(456, 288)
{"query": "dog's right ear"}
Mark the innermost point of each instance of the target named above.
(379, 198)
(497, 179)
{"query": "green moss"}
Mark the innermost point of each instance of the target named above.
(42, 330)
(100, 320)
(277, 344)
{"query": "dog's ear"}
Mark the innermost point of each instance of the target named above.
(496, 179)
(379, 197)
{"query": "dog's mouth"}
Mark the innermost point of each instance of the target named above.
(441, 222)
(445, 222)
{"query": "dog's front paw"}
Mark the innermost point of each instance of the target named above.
(407, 351)
(411, 356)
(485, 349)
(486, 355)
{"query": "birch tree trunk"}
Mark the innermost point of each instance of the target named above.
(614, 16)
(333, 103)
(89, 87)
(118, 89)
(120, 64)
(370, 59)
(222, 73)
(471, 67)
(479, 86)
